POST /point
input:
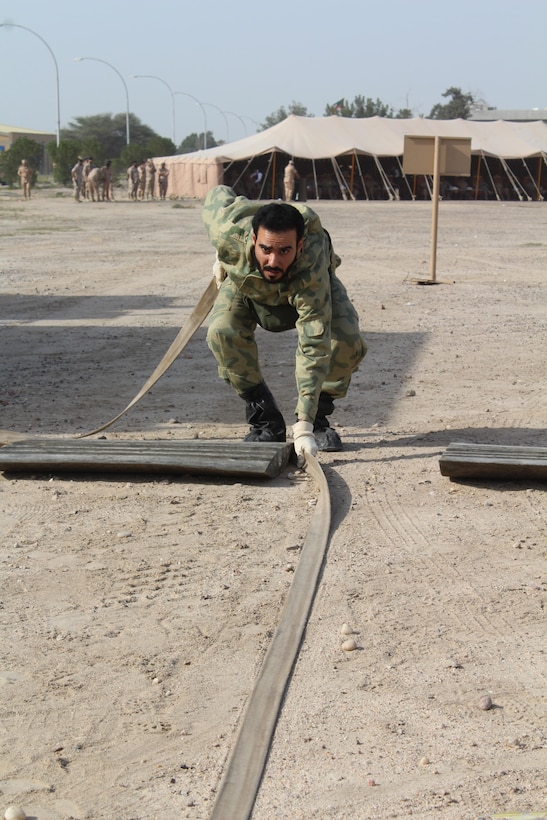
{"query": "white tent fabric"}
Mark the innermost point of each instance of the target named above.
(316, 138)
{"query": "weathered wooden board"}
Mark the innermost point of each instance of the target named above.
(258, 460)
(497, 461)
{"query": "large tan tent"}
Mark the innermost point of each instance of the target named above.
(343, 158)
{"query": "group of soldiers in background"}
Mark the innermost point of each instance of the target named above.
(95, 184)
(141, 180)
(92, 183)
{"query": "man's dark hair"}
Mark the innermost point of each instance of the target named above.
(277, 217)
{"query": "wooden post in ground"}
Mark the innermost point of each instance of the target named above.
(435, 214)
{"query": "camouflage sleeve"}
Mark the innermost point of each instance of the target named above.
(227, 219)
(312, 300)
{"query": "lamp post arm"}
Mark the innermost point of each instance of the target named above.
(185, 94)
(16, 25)
(153, 77)
(240, 119)
(97, 60)
(225, 119)
(258, 126)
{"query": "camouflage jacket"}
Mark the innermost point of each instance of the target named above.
(306, 288)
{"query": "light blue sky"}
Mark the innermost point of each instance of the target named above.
(251, 58)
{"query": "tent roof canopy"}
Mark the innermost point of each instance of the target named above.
(325, 137)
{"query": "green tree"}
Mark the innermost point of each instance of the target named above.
(404, 114)
(63, 158)
(194, 142)
(160, 147)
(361, 107)
(282, 113)
(459, 105)
(110, 131)
(130, 153)
(93, 147)
(10, 160)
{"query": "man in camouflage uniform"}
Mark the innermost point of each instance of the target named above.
(141, 171)
(132, 180)
(290, 175)
(106, 182)
(77, 174)
(88, 165)
(276, 268)
(150, 176)
(24, 173)
(163, 180)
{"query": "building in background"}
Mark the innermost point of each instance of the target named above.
(485, 114)
(10, 133)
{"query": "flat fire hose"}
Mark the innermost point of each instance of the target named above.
(239, 787)
(194, 321)
(241, 782)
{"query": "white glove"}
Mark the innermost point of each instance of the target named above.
(218, 271)
(304, 441)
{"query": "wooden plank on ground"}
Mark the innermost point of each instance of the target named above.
(494, 461)
(198, 457)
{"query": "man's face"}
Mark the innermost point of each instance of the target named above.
(275, 252)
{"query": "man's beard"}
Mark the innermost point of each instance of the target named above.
(269, 269)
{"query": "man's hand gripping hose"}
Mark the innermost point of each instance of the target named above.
(218, 271)
(304, 441)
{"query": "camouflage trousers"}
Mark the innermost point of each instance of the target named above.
(231, 337)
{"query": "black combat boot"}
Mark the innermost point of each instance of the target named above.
(327, 439)
(263, 414)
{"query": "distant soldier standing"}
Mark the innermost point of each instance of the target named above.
(106, 182)
(163, 180)
(150, 176)
(88, 165)
(132, 180)
(77, 174)
(141, 170)
(93, 181)
(290, 176)
(24, 173)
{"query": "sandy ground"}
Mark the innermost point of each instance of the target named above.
(136, 612)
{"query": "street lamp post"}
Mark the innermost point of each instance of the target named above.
(185, 94)
(225, 119)
(159, 79)
(240, 119)
(254, 122)
(97, 60)
(15, 25)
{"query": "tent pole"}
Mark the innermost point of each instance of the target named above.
(315, 179)
(241, 174)
(496, 193)
(273, 174)
(538, 185)
(264, 181)
(531, 179)
(343, 184)
(478, 178)
(385, 180)
(512, 179)
(352, 175)
(339, 178)
(403, 176)
(362, 179)
(381, 172)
